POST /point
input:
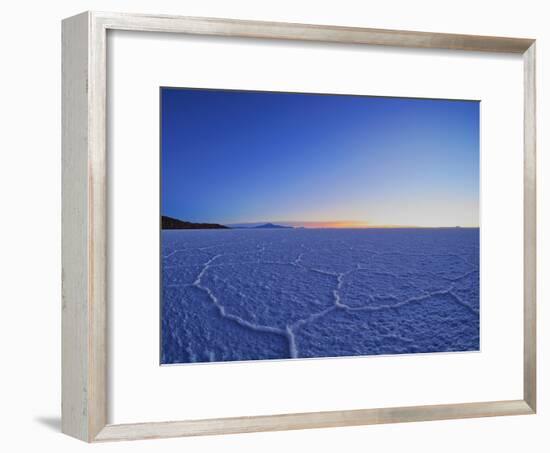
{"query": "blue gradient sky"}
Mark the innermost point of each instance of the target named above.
(237, 157)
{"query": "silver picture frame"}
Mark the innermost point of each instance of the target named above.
(84, 225)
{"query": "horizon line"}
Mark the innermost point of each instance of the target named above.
(341, 224)
(331, 224)
(351, 227)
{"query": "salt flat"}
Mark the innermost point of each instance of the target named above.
(248, 294)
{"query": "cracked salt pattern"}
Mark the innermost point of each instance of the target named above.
(288, 293)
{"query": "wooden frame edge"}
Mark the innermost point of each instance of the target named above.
(74, 372)
(530, 229)
(84, 232)
(308, 420)
(309, 32)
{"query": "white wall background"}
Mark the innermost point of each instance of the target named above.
(30, 202)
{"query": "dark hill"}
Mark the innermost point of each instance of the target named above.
(271, 225)
(169, 223)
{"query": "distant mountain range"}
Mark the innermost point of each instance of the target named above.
(169, 223)
(271, 225)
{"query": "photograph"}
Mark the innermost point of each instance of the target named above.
(316, 225)
(268, 227)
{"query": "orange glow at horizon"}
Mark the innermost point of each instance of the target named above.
(336, 224)
(343, 224)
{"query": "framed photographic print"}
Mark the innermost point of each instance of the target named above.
(273, 226)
